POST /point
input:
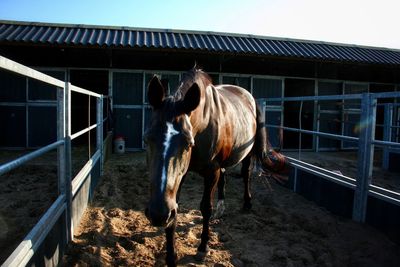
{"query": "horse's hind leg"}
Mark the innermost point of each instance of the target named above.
(221, 195)
(247, 167)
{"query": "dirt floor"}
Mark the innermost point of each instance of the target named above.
(283, 229)
(26, 193)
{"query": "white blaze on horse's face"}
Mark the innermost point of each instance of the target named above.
(168, 136)
(169, 139)
(169, 145)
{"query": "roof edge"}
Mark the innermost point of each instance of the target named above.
(105, 27)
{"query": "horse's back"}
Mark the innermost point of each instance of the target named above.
(238, 97)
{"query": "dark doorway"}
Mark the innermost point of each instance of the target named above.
(293, 88)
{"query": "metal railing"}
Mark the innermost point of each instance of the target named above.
(366, 141)
(69, 186)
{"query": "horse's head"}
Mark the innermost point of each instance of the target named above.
(169, 140)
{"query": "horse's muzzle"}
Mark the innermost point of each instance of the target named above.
(160, 219)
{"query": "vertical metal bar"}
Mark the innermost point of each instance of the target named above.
(89, 139)
(60, 136)
(397, 123)
(300, 127)
(315, 116)
(251, 85)
(365, 156)
(67, 157)
(343, 115)
(99, 131)
(26, 112)
(318, 125)
(282, 109)
(387, 133)
(62, 178)
(144, 92)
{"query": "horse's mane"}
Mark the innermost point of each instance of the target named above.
(195, 75)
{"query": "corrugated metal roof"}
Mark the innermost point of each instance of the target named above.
(102, 36)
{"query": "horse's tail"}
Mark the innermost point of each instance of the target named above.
(272, 162)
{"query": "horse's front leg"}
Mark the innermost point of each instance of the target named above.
(221, 196)
(210, 182)
(170, 236)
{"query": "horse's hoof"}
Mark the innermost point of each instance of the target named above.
(201, 255)
(171, 261)
(171, 264)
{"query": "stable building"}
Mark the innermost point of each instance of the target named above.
(119, 61)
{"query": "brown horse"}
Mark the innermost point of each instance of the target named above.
(205, 129)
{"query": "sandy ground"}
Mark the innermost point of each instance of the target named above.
(283, 229)
(26, 193)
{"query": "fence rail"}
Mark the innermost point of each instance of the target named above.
(365, 144)
(69, 187)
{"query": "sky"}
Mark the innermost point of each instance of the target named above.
(359, 22)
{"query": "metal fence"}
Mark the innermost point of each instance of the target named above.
(74, 192)
(361, 184)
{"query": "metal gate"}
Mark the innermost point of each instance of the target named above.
(55, 227)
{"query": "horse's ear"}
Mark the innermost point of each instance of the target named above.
(155, 92)
(192, 99)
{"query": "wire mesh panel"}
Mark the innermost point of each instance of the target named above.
(12, 110)
(351, 127)
(12, 87)
(237, 80)
(330, 88)
(127, 88)
(273, 118)
(354, 88)
(171, 82)
(42, 126)
(299, 114)
(13, 130)
(128, 103)
(128, 123)
(267, 88)
(40, 91)
(270, 88)
(329, 123)
(351, 112)
(329, 117)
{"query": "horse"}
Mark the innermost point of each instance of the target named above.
(202, 128)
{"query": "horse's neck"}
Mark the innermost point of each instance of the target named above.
(207, 110)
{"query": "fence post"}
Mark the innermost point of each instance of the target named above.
(60, 136)
(99, 133)
(387, 133)
(365, 156)
(61, 162)
(67, 159)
